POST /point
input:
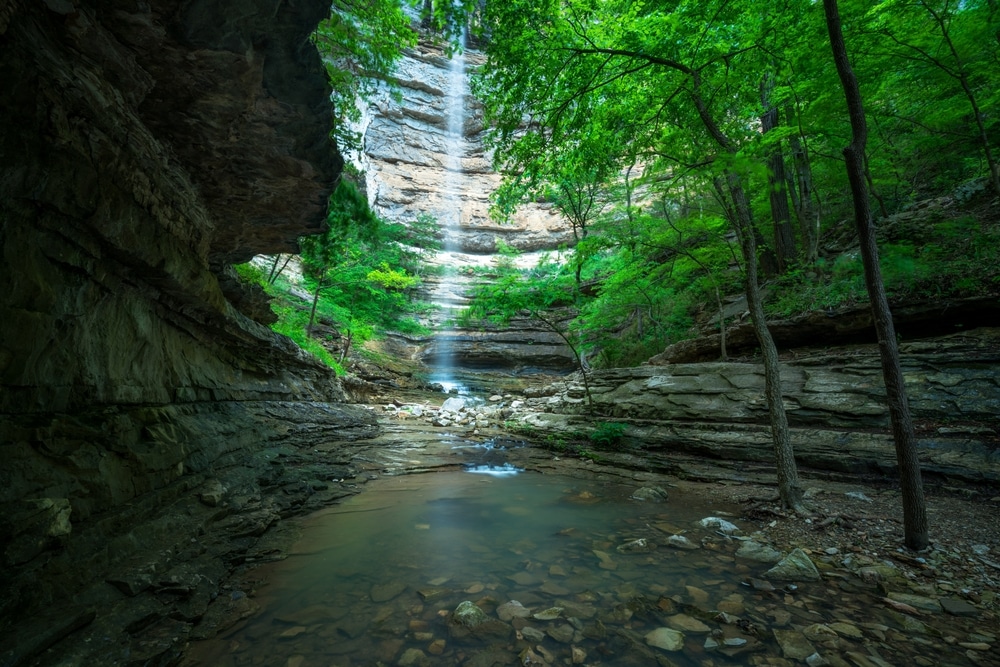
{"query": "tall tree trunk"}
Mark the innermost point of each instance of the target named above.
(742, 219)
(789, 489)
(784, 239)
(312, 311)
(914, 508)
(807, 215)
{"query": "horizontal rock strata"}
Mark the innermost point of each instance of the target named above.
(410, 172)
(835, 404)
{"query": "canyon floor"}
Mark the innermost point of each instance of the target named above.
(222, 532)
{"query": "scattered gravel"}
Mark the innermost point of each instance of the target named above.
(865, 523)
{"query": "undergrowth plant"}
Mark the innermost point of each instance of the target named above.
(292, 322)
(608, 435)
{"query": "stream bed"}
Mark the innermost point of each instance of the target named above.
(491, 566)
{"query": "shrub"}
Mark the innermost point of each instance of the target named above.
(608, 435)
(292, 322)
(250, 273)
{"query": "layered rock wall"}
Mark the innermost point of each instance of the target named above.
(410, 172)
(146, 146)
(415, 165)
(835, 403)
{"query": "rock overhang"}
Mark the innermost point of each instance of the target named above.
(238, 93)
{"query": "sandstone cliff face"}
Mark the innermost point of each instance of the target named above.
(424, 154)
(144, 147)
(410, 171)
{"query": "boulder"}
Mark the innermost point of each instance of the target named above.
(469, 615)
(667, 639)
(757, 552)
(654, 494)
(796, 566)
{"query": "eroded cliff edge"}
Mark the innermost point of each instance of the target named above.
(145, 147)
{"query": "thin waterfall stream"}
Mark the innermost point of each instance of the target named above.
(448, 293)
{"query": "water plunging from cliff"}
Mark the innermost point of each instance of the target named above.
(447, 295)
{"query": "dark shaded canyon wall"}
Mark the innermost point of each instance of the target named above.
(145, 146)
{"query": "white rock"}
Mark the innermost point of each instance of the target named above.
(719, 524)
(453, 404)
(666, 638)
(681, 542)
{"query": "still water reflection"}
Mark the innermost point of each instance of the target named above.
(377, 581)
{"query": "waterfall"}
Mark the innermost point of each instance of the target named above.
(447, 294)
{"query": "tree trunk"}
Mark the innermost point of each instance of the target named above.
(789, 488)
(274, 269)
(784, 240)
(723, 355)
(275, 273)
(807, 216)
(348, 339)
(742, 219)
(914, 509)
(312, 312)
(581, 361)
(768, 258)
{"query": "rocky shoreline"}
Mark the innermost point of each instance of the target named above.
(189, 550)
(196, 577)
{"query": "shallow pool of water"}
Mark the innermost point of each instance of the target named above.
(376, 581)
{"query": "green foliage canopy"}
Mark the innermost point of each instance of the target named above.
(363, 269)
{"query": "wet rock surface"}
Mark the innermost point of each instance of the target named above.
(424, 156)
(407, 165)
(871, 604)
(159, 562)
(204, 577)
(143, 406)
